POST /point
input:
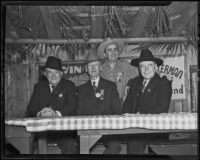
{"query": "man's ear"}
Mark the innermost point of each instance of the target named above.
(104, 54)
(156, 66)
(62, 73)
(45, 74)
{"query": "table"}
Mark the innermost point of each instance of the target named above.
(19, 138)
(91, 128)
(89, 137)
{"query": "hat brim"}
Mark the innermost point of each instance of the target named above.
(95, 60)
(104, 45)
(59, 69)
(135, 62)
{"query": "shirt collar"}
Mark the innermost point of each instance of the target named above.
(50, 85)
(116, 64)
(147, 81)
(96, 81)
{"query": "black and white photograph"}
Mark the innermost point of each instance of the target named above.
(86, 80)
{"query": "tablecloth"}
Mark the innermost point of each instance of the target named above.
(162, 121)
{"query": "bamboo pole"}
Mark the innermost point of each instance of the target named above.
(126, 40)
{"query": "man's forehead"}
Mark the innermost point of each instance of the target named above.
(94, 63)
(146, 62)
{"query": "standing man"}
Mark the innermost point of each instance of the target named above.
(55, 97)
(99, 97)
(148, 94)
(114, 69)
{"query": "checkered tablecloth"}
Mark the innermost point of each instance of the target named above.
(149, 121)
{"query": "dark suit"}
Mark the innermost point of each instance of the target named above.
(155, 99)
(62, 99)
(107, 104)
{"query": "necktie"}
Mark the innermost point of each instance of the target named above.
(144, 85)
(94, 86)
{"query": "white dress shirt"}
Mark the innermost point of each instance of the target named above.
(96, 81)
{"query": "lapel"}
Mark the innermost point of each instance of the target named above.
(138, 85)
(152, 83)
(46, 96)
(150, 87)
(58, 91)
(101, 84)
(90, 90)
(59, 87)
(45, 90)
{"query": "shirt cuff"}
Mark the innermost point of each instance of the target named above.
(58, 113)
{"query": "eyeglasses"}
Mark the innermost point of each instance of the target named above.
(149, 66)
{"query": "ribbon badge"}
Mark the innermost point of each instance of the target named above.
(102, 93)
(119, 75)
(98, 95)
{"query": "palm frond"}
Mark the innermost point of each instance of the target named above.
(171, 48)
(162, 25)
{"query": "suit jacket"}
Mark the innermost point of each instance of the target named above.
(154, 100)
(106, 104)
(61, 99)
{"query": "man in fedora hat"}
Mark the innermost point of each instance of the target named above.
(54, 97)
(148, 94)
(114, 69)
(99, 96)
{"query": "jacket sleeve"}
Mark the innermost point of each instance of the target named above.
(80, 103)
(164, 99)
(70, 104)
(128, 102)
(116, 105)
(33, 106)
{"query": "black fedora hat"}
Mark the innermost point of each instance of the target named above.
(53, 63)
(146, 55)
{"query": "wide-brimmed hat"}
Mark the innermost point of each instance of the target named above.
(146, 55)
(53, 63)
(92, 56)
(106, 43)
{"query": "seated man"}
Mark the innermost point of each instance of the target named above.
(55, 97)
(148, 94)
(99, 97)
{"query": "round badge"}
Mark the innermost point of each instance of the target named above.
(98, 95)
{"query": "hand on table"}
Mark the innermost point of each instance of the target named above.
(47, 112)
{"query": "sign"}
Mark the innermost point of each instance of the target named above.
(174, 67)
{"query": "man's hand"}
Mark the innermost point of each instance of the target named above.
(47, 112)
(170, 78)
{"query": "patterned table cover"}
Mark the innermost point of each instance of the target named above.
(163, 121)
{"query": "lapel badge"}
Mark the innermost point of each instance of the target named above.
(149, 90)
(118, 78)
(60, 95)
